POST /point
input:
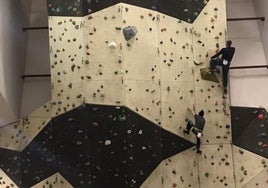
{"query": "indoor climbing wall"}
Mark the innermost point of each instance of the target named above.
(5, 181)
(250, 129)
(172, 172)
(209, 36)
(56, 180)
(67, 65)
(123, 75)
(141, 67)
(176, 62)
(103, 60)
(249, 167)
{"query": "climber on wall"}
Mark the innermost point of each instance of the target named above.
(225, 61)
(196, 128)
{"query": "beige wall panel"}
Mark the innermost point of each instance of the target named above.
(55, 180)
(143, 97)
(6, 181)
(66, 56)
(100, 29)
(110, 92)
(140, 55)
(216, 166)
(31, 128)
(11, 135)
(175, 49)
(177, 97)
(247, 167)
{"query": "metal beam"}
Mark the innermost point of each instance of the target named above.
(250, 67)
(34, 28)
(35, 76)
(245, 19)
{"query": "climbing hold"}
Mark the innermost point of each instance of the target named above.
(129, 32)
(107, 142)
(112, 45)
(260, 116)
(200, 63)
(73, 66)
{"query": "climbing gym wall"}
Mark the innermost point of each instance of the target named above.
(123, 75)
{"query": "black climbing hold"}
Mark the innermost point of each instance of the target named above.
(129, 32)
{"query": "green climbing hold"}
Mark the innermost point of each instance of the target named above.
(206, 174)
(118, 28)
(122, 117)
(207, 75)
(58, 10)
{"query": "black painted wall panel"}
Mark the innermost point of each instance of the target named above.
(94, 146)
(187, 10)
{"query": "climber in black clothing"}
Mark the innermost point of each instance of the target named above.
(225, 61)
(196, 127)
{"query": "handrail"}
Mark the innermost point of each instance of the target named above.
(35, 75)
(250, 67)
(248, 18)
(34, 28)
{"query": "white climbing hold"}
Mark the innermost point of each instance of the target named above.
(112, 45)
(108, 142)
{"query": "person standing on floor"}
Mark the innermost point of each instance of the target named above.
(196, 128)
(227, 54)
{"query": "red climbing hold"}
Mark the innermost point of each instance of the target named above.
(260, 116)
(264, 145)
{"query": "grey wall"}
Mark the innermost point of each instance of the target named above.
(248, 87)
(261, 7)
(36, 91)
(12, 53)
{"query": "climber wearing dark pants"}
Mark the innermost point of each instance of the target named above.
(225, 70)
(190, 126)
(196, 128)
(225, 61)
